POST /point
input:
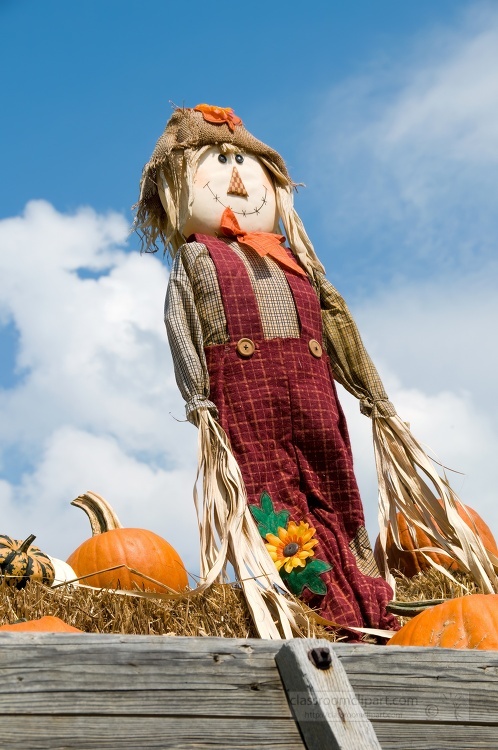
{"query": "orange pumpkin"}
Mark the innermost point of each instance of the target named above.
(466, 622)
(111, 545)
(47, 624)
(409, 562)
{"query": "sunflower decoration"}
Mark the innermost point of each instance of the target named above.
(290, 546)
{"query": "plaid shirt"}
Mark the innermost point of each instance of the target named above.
(195, 318)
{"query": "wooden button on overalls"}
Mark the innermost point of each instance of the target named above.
(315, 348)
(245, 347)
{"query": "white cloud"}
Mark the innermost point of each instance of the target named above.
(452, 101)
(95, 405)
(73, 461)
(88, 345)
(407, 154)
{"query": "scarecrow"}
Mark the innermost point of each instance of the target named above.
(258, 338)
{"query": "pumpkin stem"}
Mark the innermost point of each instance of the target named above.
(410, 609)
(101, 516)
(26, 544)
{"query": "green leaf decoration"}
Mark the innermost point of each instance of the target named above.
(268, 519)
(308, 576)
(269, 522)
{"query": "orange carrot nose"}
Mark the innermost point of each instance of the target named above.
(236, 186)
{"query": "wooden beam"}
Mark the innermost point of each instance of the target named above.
(109, 691)
(324, 704)
(81, 692)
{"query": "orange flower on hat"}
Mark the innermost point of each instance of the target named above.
(293, 545)
(219, 115)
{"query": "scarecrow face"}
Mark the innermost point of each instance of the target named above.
(235, 180)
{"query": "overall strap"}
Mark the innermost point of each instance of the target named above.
(307, 304)
(239, 300)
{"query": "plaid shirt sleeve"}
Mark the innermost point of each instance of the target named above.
(186, 341)
(350, 361)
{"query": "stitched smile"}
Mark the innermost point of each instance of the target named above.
(243, 212)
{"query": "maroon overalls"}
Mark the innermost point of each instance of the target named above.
(287, 430)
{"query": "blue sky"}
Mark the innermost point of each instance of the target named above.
(386, 111)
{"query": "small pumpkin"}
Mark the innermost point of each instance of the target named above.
(21, 562)
(466, 622)
(410, 562)
(63, 572)
(46, 624)
(112, 545)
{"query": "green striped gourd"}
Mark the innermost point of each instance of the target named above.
(21, 562)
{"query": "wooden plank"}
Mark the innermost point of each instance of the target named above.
(132, 732)
(428, 736)
(407, 685)
(124, 692)
(322, 699)
(42, 674)
(448, 697)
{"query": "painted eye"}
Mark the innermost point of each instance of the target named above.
(239, 158)
(222, 158)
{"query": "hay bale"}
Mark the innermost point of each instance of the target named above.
(219, 611)
(431, 584)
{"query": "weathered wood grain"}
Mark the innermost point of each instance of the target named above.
(129, 692)
(427, 736)
(216, 676)
(422, 684)
(413, 684)
(88, 691)
(322, 700)
(139, 733)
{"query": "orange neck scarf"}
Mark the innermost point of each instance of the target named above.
(265, 243)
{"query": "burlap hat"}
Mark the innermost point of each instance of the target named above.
(205, 125)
